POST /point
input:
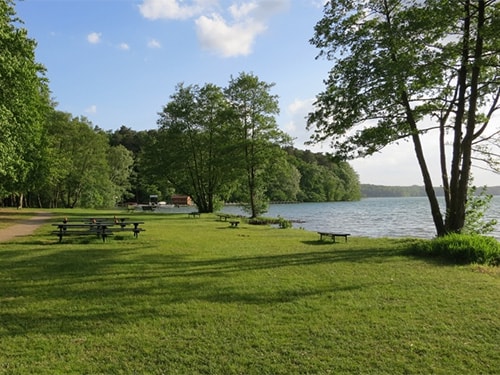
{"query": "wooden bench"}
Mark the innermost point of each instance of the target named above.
(194, 214)
(234, 223)
(333, 235)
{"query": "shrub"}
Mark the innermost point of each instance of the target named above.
(461, 248)
(477, 205)
(282, 223)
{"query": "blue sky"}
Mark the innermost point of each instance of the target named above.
(117, 62)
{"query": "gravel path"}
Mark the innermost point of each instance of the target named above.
(23, 228)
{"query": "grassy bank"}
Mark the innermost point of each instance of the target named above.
(194, 296)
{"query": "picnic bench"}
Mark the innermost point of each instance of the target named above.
(333, 235)
(83, 229)
(100, 227)
(234, 223)
(132, 226)
(223, 216)
(123, 223)
(194, 214)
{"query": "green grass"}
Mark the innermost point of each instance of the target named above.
(194, 296)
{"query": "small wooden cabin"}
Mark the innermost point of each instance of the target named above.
(182, 200)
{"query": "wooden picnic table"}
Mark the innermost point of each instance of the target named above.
(122, 223)
(223, 216)
(194, 214)
(123, 227)
(102, 227)
(83, 229)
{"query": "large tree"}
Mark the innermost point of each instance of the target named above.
(77, 168)
(410, 69)
(255, 109)
(194, 149)
(23, 103)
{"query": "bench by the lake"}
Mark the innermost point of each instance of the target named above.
(333, 235)
(194, 214)
(223, 216)
(149, 208)
(234, 223)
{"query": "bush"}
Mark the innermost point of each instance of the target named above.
(282, 223)
(461, 248)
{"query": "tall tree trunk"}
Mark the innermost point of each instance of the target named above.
(437, 217)
(456, 218)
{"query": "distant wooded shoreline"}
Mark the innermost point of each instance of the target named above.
(377, 191)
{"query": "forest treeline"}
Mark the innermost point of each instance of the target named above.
(215, 144)
(374, 191)
(80, 165)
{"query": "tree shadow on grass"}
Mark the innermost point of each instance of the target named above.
(91, 288)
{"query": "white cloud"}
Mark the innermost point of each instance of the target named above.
(94, 38)
(91, 110)
(295, 122)
(242, 10)
(227, 40)
(153, 43)
(124, 46)
(236, 36)
(228, 32)
(173, 9)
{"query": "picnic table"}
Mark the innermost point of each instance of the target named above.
(134, 227)
(83, 229)
(223, 216)
(100, 227)
(194, 214)
(122, 222)
(333, 235)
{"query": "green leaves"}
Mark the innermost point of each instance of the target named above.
(409, 69)
(24, 102)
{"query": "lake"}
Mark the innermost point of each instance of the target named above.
(369, 217)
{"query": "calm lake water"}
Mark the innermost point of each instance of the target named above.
(369, 217)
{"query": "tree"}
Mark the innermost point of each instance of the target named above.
(194, 149)
(121, 162)
(75, 165)
(255, 107)
(23, 104)
(411, 70)
(282, 179)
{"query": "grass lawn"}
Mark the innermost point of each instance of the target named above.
(194, 296)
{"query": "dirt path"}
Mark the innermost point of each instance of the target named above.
(23, 228)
